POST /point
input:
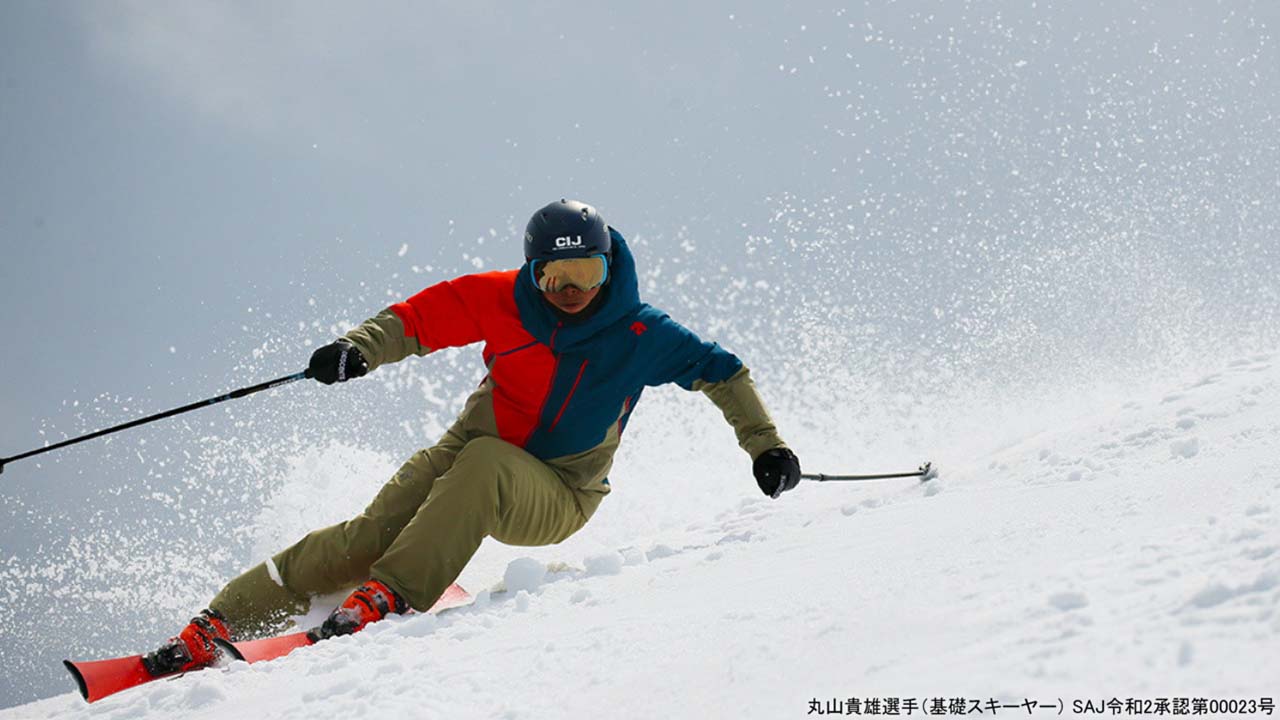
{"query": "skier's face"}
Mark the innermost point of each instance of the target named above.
(571, 299)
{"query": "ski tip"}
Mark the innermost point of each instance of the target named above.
(229, 648)
(79, 678)
(928, 472)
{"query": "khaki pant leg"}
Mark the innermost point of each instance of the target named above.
(494, 488)
(333, 558)
(255, 604)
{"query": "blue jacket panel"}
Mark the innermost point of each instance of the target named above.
(604, 363)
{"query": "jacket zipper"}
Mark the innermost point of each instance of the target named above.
(626, 405)
(581, 369)
(551, 345)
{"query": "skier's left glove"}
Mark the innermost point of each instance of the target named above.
(777, 470)
(337, 362)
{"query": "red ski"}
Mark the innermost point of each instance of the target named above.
(100, 678)
(252, 651)
(97, 679)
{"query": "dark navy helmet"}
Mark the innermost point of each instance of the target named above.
(566, 229)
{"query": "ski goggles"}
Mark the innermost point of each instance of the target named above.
(583, 273)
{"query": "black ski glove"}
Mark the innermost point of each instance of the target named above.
(337, 362)
(777, 470)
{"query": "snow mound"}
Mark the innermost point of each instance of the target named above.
(524, 574)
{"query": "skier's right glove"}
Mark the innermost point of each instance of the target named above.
(777, 470)
(337, 362)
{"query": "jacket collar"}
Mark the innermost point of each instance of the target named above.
(621, 298)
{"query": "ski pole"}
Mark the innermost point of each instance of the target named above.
(168, 413)
(926, 472)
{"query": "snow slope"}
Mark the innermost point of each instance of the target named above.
(1131, 552)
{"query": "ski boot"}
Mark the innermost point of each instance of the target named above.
(370, 602)
(193, 648)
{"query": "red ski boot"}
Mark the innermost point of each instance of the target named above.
(192, 648)
(369, 603)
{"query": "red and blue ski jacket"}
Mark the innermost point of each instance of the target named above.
(558, 386)
(564, 390)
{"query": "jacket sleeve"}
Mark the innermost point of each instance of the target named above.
(681, 357)
(382, 339)
(447, 314)
(686, 360)
(744, 410)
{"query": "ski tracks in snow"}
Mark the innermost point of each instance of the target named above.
(1173, 503)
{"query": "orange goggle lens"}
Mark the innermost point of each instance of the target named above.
(582, 273)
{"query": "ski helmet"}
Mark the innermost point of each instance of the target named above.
(566, 229)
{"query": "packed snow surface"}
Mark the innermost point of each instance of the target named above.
(1131, 550)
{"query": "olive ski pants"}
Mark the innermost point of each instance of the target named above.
(417, 534)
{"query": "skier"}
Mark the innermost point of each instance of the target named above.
(569, 349)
